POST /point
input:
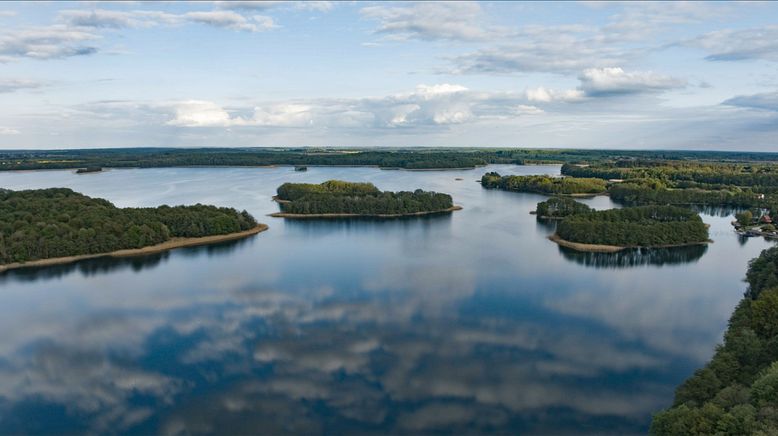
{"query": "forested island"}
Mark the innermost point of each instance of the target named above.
(335, 198)
(544, 184)
(560, 208)
(416, 158)
(736, 393)
(631, 227)
(57, 225)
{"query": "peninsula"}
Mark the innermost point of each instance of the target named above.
(57, 225)
(337, 199)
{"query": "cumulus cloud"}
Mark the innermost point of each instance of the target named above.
(605, 81)
(736, 45)
(103, 18)
(767, 101)
(431, 21)
(427, 105)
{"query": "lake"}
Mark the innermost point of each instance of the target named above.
(471, 322)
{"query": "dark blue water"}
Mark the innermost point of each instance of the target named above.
(466, 323)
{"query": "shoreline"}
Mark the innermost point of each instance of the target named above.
(130, 252)
(254, 166)
(603, 248)
(357, 215)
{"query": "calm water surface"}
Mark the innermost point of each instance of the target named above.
(472, 322)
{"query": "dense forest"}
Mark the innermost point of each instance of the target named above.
(543, 184)
(653, 191)
(417, 158)
(57, 222)
(560, 207)
(642, 226)
(738, 184)
(338, 197)
(736, 393)
(736, 174)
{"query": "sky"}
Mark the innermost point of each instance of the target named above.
(633, 75)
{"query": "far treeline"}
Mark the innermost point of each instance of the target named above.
(58, 222)
(642, 226)
(339, 197)
(416, 158)
(736, 393)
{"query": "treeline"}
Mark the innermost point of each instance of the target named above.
(736, 393)
(648, 191)
(58, 222)
(643, 226)
(418, 158)
(559, 207)
(543, 184)
(338, 197)
(735, 174)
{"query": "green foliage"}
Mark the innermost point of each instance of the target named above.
(744, 218)
(737, 392)
(644, 226)
(543, 184)
(558, 207)
(339, 197)
(57, 222)
(650, 191)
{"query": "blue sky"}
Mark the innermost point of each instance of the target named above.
(689, 75)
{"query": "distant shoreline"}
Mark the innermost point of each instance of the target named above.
(602, 248)
(355, 215)
(129, 252)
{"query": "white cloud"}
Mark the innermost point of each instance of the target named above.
(198, 113)
(735, 45)
(231, 20)
(52, 42)
(605, 81)
(8, 131)
(545, 95)
(11, 85)
(765, 101)
(432, 21)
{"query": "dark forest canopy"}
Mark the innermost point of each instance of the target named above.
(643, 226)
(559, 207)
(736, 393)
(338, 197)
(653, 191)
(58, 222)
(416, 158)
(543, 184)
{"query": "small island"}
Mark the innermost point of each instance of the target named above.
(88, 170)
(571, 186)
(336, 199)
(632, 227)
(300, 168)
(57, 225)
(558, 208)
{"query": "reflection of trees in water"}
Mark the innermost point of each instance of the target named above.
(362, 224)
(107, 264)
(718, 211)
(637, 256)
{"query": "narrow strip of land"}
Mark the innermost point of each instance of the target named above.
(151, 249)
(601, 248)
(352, 215)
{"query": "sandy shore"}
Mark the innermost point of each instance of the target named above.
(352, 215)
(167, 245)
(597, 248)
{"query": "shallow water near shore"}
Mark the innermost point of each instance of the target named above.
(470, 322)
